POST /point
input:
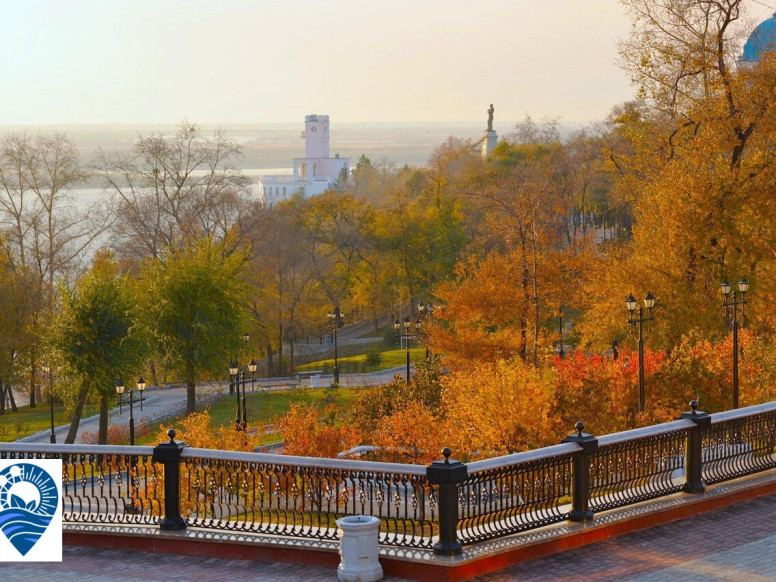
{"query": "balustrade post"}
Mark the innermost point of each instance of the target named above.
(580, 473)
(169, 454)
(447, 474)
(693, 453)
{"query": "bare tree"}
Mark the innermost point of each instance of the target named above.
(46, 233)
(173, 187)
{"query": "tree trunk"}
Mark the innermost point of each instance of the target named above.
(75, 418)
(102, 430)
(291, 353)
(32, 378)
(154, 379)
(2, 397)
(11, 399)
(191, 396)
(269, 359)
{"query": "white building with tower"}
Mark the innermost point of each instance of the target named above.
(313, 174)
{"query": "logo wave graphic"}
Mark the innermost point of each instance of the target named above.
(28, 502)
(23, 528)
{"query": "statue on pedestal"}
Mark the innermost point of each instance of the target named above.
(490, 117)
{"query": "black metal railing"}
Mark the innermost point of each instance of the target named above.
(515, 493)
(739, 444)
(303, 497)
(444, 506)
(101, 485)
(637, 465)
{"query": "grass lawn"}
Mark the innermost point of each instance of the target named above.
(390, 359)
(27, 421)
(264, 407)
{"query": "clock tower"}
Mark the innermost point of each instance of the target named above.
(316, 134)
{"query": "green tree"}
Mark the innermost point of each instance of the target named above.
(193, 306)
(95, 339)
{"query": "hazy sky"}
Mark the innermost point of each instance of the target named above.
(235, 61)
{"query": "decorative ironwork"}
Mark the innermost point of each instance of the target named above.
(738, 446)
(305, 500)
(629, 470)
(119, 487)
(302, 497)
(515, 497)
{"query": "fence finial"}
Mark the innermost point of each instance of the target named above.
(171, 433)
(446, 452)
(579, 427)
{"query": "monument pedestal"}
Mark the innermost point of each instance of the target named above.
(489, 141)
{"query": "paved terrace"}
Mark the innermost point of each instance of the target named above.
(735, 543)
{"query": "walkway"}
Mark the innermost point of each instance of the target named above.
(737, 544)
(165, 402)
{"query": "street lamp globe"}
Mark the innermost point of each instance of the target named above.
(417, 324)
(743, 285)
(396, 325)
(407, 324)
(252, 366)
(631, 303)
(141, 384)
(233, 368)
(649, 300)
(726, 287)
(119, 387)
(246, 337)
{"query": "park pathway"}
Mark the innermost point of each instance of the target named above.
(161, 403)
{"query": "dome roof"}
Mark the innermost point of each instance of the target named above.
(762, 40)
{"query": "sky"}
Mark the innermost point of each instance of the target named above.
(260, 61)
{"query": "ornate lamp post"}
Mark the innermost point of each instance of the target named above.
(233, 370)
(406, 324)
(120, 391)
(244, 422)
(141, 386)
(47, 370)
(743, 286)
(649, 303)
(335, 319)
(426, 311)
(252, 367)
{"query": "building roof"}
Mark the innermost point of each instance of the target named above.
(762, 39)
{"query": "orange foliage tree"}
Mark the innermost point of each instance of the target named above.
(499, 408)
(306, 433)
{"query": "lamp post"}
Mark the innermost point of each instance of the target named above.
(141, 386)
(335, 320)
(561, 353)
(426, 311)
(233, 369)
(47, 370)
(244, 423)
(406, 324)
(120, 391)
(649, 303)
(743, 286)
(252, 367)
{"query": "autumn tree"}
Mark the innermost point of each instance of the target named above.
(193, 310)
(46, 235)
(96, 339)
(174, 188)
